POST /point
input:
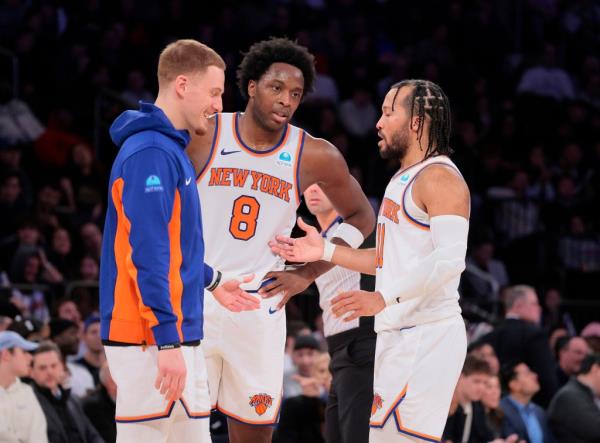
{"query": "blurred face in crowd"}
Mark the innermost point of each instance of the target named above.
(491, 393)
(394, 125)
(17, 361)
(316, 200)
(48, 197)
(321, 371)
(68, 340)
(276, 95)
(528, 308)
(487, 353)
(11, 188)
(69, 311)
(202, 97)
(91, 236)
(82, 155)
(91, 337)
(571, 356)
(47, 370)
(483, 253)
(32, 269)
(304, 360)
(88, 268)
(61, 242)
(525, 382)
(473, 385)
(29, 235)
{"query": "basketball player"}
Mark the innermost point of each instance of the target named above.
(151, 286)
(351, 344)
(252, 169)
(420, 253)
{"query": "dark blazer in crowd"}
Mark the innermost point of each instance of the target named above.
(100, 409)
(301, 420)
(514, 424)
(573, 415)
(67, 423)
(455, 426)
(518, 340)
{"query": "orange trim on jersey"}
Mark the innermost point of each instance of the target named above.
(410, 431)
(394, 405)
(252, 422)
(134, 418)
(175, 282)
(128, 306)
(299, 148)
(213, 149)
(254, 153)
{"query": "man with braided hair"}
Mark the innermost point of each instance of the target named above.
(422, 232)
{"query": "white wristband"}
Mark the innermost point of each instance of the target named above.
(350, 234)
(328, 249)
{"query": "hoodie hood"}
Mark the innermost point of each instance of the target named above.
(149, 117)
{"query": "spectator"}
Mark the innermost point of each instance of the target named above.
(521, 415)
(13, 204)
(591, 334)
(554, 315)
(65, 334)
(99, 406)
(61, 252)
(306, 350)
(570, 352)
(94, 356)
(303, 415)
(467, 421)
(91, 237)
(136, 89)
(88, 268)
(520, 338)
(66, 420)
(294, 329)
(30, 329)
(484, 351)
(490, 399)
(574, 413)
(21, 417)
(484, 276)
(546, 79)
(18, 125)
(358, 114)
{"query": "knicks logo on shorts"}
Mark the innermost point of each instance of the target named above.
(261, 402)
(377, 403)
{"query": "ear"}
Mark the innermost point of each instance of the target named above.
(181, 85)
(415, 123)
(252, 88)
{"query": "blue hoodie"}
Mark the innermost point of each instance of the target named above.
(152, 276)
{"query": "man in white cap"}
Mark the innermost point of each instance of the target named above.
(21, 417)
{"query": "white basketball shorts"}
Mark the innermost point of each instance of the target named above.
(416, 371)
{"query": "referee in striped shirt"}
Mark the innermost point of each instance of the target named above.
(351, 344)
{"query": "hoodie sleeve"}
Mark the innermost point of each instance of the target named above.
(150, 181)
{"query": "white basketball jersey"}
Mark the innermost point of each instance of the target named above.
(404, 239)
(247, 198)
(331, 284)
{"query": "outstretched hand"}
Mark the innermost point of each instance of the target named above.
(234, 298)
(303, 249)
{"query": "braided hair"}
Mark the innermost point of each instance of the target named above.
(428, 98)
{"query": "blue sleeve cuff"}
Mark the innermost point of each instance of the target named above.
(166, 333)
(209, 273)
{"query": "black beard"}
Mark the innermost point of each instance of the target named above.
(398, 146)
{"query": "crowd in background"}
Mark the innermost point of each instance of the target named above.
(523, 78)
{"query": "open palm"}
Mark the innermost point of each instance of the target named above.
(303, 249)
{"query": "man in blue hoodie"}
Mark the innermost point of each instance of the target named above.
(151, 286)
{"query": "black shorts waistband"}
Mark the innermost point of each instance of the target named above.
(365, 328)
(122, 344)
